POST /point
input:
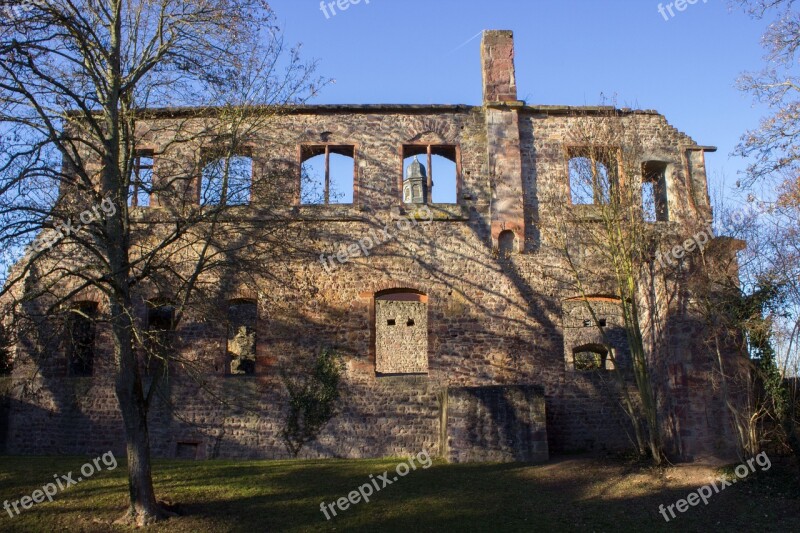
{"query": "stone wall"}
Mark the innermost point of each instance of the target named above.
(489, 319)
(401, 342)
(495, 424)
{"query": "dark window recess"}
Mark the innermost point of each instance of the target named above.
(186, 450)
(80, 339)
(602, 322)
(505, 243)
(591, 357)
(410, 322)
(160, 324)
(655, 199)
(390, 322)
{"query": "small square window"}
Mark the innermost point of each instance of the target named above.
(390, 322)
(410, 322)
(602, 322)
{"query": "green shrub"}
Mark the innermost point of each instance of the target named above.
(312, 400)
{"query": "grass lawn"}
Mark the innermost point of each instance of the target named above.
(567, 494)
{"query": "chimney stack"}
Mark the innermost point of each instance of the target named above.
(497, 57)
(503, 137)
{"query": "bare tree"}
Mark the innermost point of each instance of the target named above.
(605, 245)
(78, 85)
(773, 151)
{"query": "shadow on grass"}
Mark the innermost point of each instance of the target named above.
(569, 494)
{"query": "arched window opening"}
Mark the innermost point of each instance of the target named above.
(506, 241)
(590, 357)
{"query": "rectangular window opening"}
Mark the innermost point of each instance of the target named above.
(592, 174)
(327, 174)
(431, 174)
(226, 180)
(242, 339)
(141, 186)
(81, 334)
(655, 201)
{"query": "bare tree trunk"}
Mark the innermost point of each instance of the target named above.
(128, 387)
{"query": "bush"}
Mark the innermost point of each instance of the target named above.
(312, 401)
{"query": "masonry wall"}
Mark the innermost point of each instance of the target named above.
(492, 319)
(495, 424)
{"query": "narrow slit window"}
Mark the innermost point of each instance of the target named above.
(242, 341)
(81, 334)
(159, 346)
(141, 186)
(655, 202)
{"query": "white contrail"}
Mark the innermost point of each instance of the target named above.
(465, 43)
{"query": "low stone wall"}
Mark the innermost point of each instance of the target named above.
(502, 424)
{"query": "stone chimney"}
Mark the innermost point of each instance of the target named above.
(503, 137)
(497, 57)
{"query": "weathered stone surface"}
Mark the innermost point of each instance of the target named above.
(496, 424)
(489, 319)
(401, 337)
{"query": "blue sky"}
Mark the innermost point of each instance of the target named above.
(569, 52)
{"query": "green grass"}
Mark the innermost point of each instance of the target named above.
(571, 494)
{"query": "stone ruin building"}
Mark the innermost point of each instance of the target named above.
(457, 337)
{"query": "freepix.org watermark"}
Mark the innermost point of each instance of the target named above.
(705, 492)
(699, 240)
(329, 8)
(62, 482)
(374, 238)
(97, 213)
(679, 5)
(381, 482)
